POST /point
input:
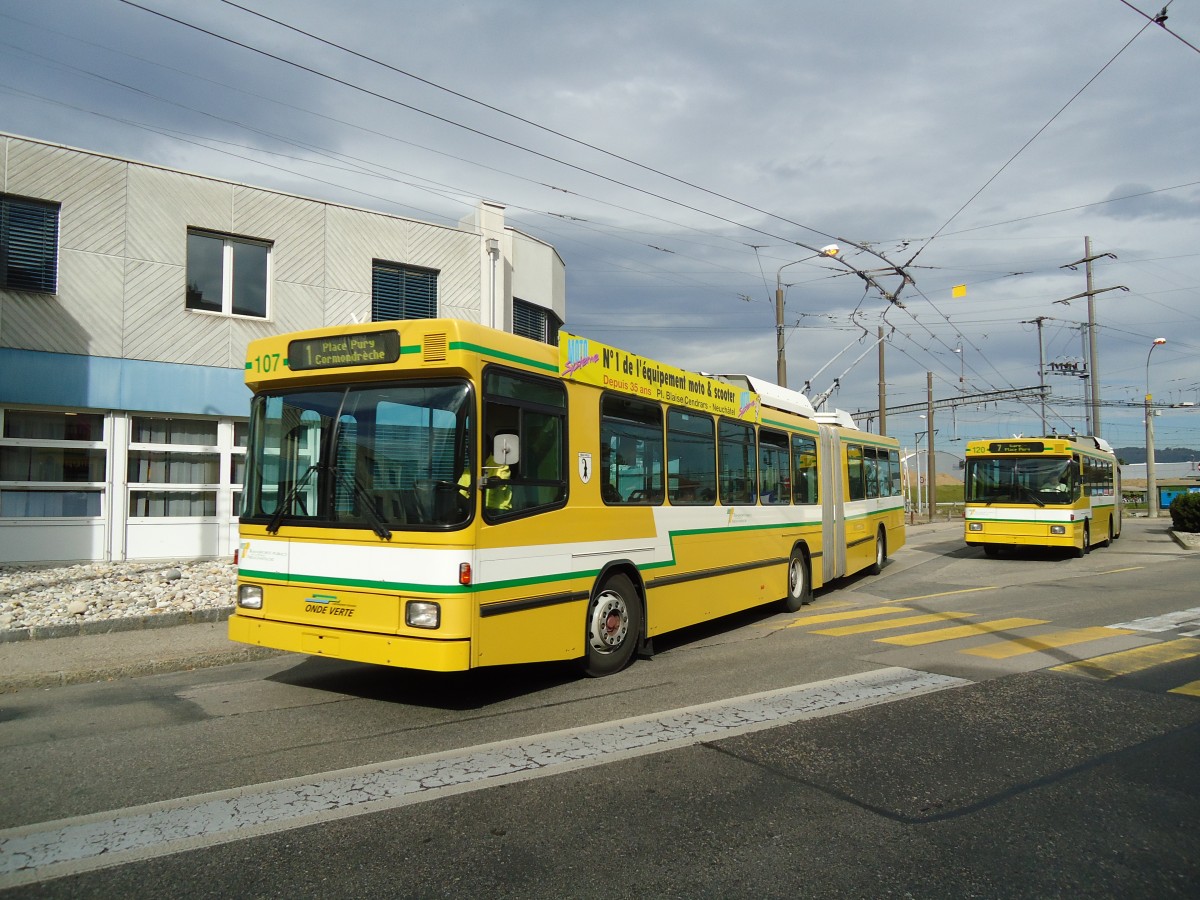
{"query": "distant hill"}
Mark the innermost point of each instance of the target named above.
(1135, 455)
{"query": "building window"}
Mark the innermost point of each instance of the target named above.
(28, 245)
(52, 464)
(227, 275)
(533, 321)
(402, 292)
(179, 482)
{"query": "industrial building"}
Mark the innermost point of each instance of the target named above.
(128, 294)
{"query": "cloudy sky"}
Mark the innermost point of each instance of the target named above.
(678, 153)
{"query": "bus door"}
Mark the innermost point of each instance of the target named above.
(833, 517)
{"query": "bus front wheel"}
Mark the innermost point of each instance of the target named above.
(614, 626)
(1087, 541)
(799, 588)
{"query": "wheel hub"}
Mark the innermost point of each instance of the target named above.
(609, 624)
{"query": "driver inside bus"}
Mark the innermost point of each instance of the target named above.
(497, 493)
(1057, 484)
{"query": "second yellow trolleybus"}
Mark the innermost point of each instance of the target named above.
(1057, 491)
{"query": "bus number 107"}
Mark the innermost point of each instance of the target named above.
(268, 362)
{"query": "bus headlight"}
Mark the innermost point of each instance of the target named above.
(1058, 529)
(250, 596)
(974, 526)
(422, 614)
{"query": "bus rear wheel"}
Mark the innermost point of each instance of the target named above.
(614, 627)
(880, 552)
(799, 588)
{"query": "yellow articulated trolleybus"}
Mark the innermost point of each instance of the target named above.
(437, 495)
(1042, 492)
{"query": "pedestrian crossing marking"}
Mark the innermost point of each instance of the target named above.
(1021, 645)
(1191, 690)
(885, 624)
(1168, 622)
(843, 616)
(1128, 662)
(959, 631)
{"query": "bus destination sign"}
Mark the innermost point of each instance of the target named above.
(1016, 447)
(372, 348)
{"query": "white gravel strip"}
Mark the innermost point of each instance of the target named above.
(64, 599)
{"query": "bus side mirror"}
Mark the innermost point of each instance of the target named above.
(506, 449)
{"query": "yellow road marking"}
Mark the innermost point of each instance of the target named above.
(945, 594)
(960, 631)
(843, 616)
(1126, 569)
(1127, 662)
(1192, 689)
(1020, 645)
(885, 624)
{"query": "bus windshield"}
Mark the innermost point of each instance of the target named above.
(1043, 481)
(382, 457)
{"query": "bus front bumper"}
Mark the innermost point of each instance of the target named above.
(1034, 534)
(378, 649)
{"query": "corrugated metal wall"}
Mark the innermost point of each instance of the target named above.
(123, 257)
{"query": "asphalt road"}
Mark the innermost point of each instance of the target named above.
(857, 748)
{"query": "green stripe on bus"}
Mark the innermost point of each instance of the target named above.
(498, 354)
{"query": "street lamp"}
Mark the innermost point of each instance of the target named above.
(780, 360)
(1151, 485)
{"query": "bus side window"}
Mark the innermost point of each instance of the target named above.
(854, 472)
(691, 458)
(738, 463)
(774, 476)
(804, 469)
(631, 450)
(535, 410)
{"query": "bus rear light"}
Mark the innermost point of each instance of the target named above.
(464, 573)
(250, 596)
(422, 614)
(1058, 529)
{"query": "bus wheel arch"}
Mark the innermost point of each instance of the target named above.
(799, 579)
(615, 623)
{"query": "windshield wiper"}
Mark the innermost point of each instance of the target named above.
(273, 525)
(1031, 494)
(378, 523)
